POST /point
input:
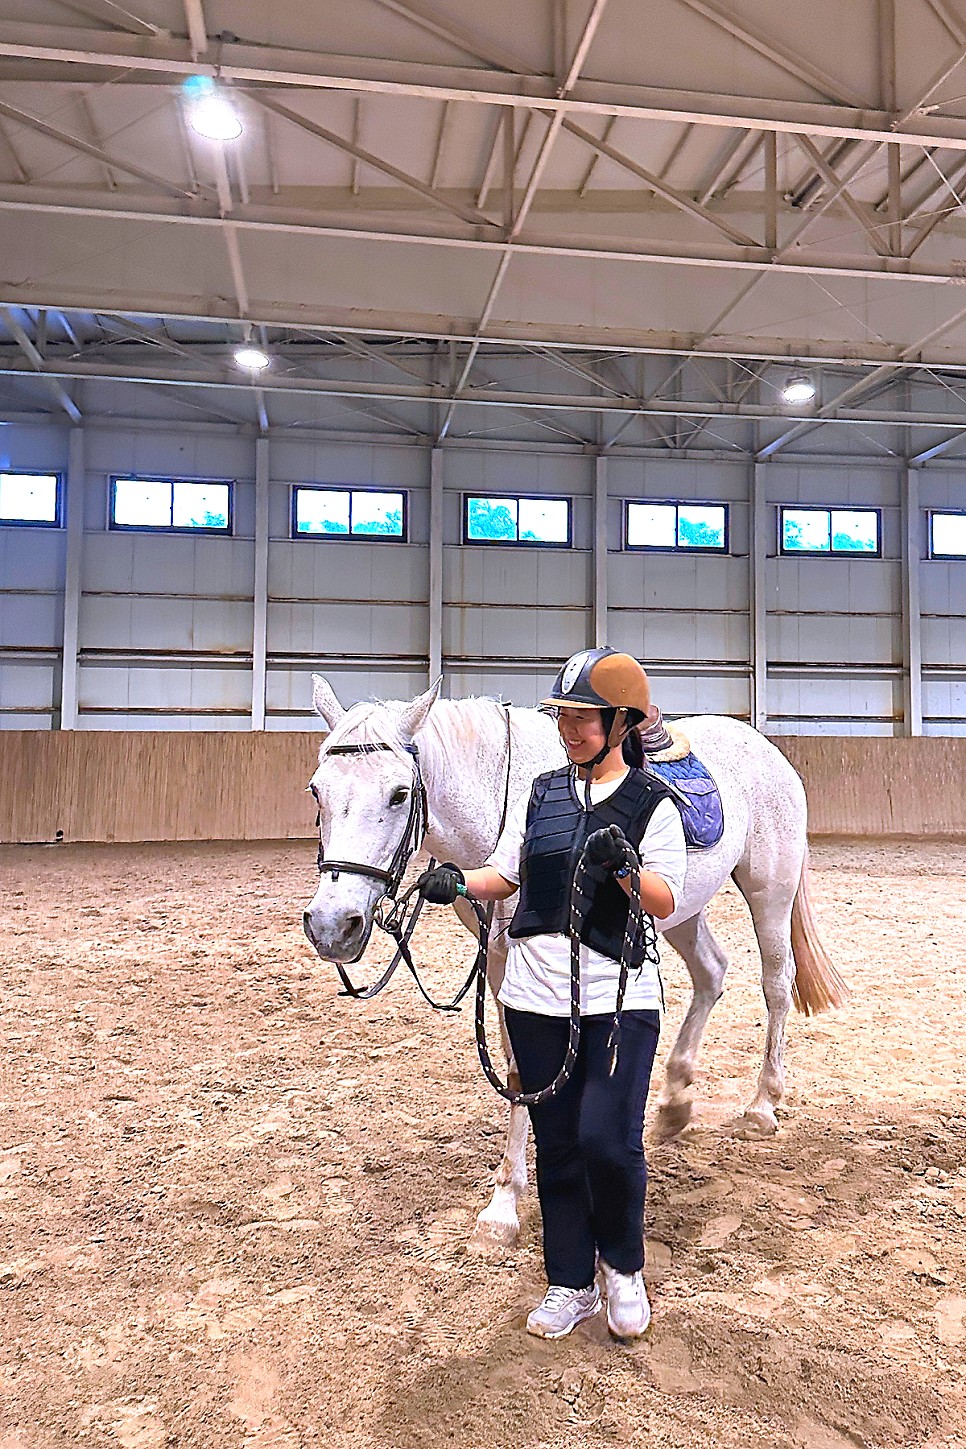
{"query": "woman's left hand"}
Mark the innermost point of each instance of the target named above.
(610, 848)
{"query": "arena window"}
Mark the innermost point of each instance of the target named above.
(947, 535)
(831, 531)
(373, 513)
(540, 522)
(170, 505)
(30, 500)
(690, 527)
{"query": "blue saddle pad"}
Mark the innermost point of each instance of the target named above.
(696, 796)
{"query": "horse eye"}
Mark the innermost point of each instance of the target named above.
(399, 796)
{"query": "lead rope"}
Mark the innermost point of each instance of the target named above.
(639, 926)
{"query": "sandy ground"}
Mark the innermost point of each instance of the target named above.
(233, 1206)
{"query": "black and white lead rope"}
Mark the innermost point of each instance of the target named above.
(394, 922)
(639, 926)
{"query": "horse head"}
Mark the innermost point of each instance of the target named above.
(366, 808)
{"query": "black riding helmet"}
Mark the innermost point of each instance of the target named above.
(607, 680)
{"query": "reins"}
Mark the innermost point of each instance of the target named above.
(400, 926)
(638, 925)
(395, 921)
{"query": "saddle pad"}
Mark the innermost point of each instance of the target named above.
(696, 796)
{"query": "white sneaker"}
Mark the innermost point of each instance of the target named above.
(628, 1311)
(562, 1309)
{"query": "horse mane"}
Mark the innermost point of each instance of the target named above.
(458, 730)
(455, 730)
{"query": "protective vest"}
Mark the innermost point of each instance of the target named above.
(557, 830)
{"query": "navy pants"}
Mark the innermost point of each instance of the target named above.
(591, 1170)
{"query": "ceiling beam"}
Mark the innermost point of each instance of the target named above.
(38, 365)
(86, 148)
(781, 56)
(271, 219)
(465, 213)
(306, 320)
(143, 59)
(487, 396)
(197, 30)
(662, 188)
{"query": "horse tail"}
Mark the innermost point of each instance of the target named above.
(818, 985)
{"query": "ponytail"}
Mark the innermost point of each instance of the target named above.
(632, 749)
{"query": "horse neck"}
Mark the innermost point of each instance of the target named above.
(463, 748)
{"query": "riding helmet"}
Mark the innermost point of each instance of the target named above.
(602, 679)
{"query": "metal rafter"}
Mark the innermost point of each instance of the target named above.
(201, 373)
(845, 196)
(251, 65)
(662, 188)
(543, 155)
(38, 365)
(443, 27)
(74, 143)
(779, 55)
(342, 143)
(197, 30)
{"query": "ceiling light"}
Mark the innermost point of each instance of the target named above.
(252, 358)
(798, 388)
(210, 112)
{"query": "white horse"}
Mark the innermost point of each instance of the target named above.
(364, 804)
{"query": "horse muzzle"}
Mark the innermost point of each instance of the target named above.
(341, 937)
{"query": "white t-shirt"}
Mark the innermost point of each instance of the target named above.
(538, 967)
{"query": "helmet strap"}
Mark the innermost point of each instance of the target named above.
(617, 718)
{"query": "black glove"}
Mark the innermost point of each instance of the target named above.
(609, 848)
(441, 886)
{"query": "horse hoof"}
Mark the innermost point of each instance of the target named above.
(672, 1118)
(756, 1124)
(492, 1238)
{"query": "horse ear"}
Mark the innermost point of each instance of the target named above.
(414, 715)
(324, 701)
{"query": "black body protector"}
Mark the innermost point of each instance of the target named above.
(557, 830)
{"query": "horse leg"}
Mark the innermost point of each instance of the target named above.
(771, 910)
(498, 1224)
(707, 964)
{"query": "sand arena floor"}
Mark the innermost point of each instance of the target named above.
(233, 1206)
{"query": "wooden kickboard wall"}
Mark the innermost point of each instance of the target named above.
(130, 786)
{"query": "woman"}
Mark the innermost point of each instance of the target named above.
(591, 1171)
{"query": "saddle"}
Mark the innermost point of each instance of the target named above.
(695, 792)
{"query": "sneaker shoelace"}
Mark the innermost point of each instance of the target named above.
(558, 1298)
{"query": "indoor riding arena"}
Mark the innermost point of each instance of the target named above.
(416, 341)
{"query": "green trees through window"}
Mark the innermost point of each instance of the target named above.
(517, 520)
(367, 512)
(676, 526)
(177, 504)
(830, 530)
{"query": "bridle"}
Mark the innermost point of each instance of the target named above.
(395, 922)
(395, 916)
(412, 837)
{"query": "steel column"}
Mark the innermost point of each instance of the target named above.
(600, 550)
(758, 611)
(75, 489)
(260, 593)
(911, 619)
(435, 564)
